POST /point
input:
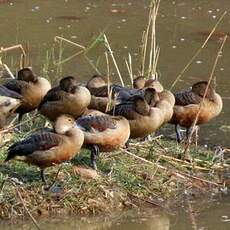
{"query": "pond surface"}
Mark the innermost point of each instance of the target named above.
(205, 215)
(182, 27)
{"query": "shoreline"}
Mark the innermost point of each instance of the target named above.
(147, 173)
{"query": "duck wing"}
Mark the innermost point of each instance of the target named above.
(126, 110)
(16, 85)
(96, 123)
(37, 142)
(54, 94)
(187, 97)
(4, 91)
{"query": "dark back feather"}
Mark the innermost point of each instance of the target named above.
(4, 91)
(99, 123)
(37, 142)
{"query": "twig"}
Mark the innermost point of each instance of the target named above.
(58, 38)
(175, 173)
(198, 51)
(205, 93)
(8, 70)
(23, 203)
(114, 61)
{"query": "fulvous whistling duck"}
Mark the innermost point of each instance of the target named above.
(67, 98)
(189, 102)
(166, 98)
(104, 96)
(103, 133)
(48, 148)
(32, 89)
(143, 114)
(140, 82)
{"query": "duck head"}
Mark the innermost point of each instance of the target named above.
(139, 82)
(26, 74)
(200, 87)
(151, 96)
(64, 123)
(96, 81)
(141, 106)
(154, 84)
(68, 84)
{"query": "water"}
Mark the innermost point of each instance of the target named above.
(182, 27)
(207, 215)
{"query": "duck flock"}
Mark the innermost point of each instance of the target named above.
(99, 116)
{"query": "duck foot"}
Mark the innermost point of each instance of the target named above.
(94, 155)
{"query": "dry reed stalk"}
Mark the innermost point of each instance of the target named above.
(153, 47)
(130, 68)
(186, 155)
(19, 46)
(8, 129)
(21, 199)
(8, 70)
(114, 61)
(197, 52)
(58, 38)
(108, 85)
(145, 43)
(89, 61)
(180, 174)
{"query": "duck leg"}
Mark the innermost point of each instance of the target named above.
(43, 176)
(127, 144)
(178, 134)
(94, 155)
(20, 115)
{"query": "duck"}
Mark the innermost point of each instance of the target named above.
(66, 98)
(189, 102)
(9, 102)
(106, 96)
(50, 147)
(141, 82)
(103, 133)
(31, 87)
(144, 114)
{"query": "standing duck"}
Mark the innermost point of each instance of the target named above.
(189, 102)
(67, 98)
(32, 89)
(103, 133)
(48, 148)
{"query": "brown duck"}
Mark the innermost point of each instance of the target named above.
(189, 102)
(140, 82)
(103, 133)
(32, 89)
(48, 148)
(104, 96)
(144, 114)
(67, 98)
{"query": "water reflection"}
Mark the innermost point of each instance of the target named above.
(209, 213)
